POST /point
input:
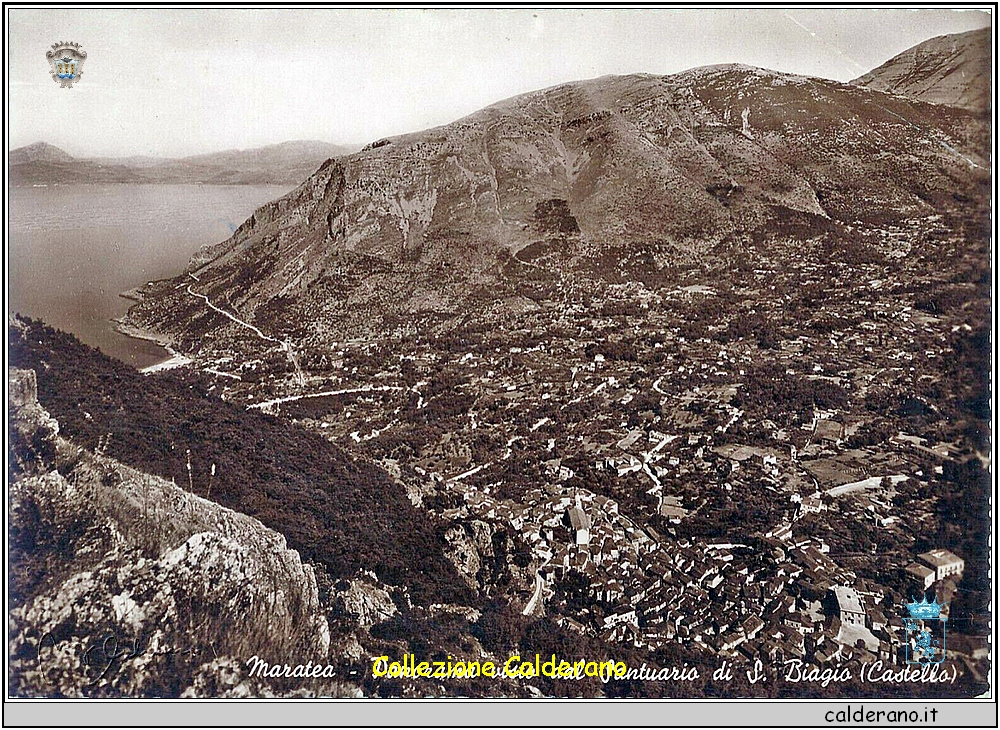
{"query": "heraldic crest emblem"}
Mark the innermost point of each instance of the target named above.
(925, 632)
(66, 60)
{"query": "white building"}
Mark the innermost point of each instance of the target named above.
(944, 563)
(849, 606)
(924, 575)
(580, 522)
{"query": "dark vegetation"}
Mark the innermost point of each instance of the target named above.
(613, 350)
(29, 453)
(964, 522)
(336, 512)
(776, 394)
(554, 216)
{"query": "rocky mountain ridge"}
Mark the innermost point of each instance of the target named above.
(948, 69)
(667, 166)
(716, 254)
(125, 584)
(185, 590)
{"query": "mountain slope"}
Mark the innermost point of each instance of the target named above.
(125, 582)
(669, 166)
(285, 163)
(949, 69)
(287, 153)
(340, 513)
(101, 552)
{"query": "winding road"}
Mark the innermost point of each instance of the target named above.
(285, 345)
(529, 609)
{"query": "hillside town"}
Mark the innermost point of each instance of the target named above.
(742, 463)
(583, 341)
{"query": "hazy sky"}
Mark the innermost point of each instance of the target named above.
(177, 82)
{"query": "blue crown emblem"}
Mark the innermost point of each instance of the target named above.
(925, 609)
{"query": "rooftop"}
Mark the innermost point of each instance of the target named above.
(939, 557)
(921, 571)
(847, 599)
(579, 519)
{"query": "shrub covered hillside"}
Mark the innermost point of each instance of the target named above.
(335, 511)
(124, 584)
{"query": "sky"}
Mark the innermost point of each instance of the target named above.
(187, 81)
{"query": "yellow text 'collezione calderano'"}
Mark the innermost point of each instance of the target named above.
(513, 668)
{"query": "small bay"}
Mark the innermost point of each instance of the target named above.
(73, 249)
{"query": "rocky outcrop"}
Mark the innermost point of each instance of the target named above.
(485, 555)
(470, 545)
(32, 429)
(124, 584)
(26, 414)
(366, 602)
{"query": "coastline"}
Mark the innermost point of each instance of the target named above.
(133, 295)
(175, 358)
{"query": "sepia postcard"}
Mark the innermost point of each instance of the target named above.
(593, 365)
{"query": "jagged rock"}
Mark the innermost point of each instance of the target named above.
(482, 553)
(224, 678)
(126, 586)
(470, 543)
(350, 647)
(33, 429)
(368, 603)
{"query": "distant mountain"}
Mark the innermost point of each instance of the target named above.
(286, 153)
(949, 69)
(663, 167)
(38, 152)
(287, 163)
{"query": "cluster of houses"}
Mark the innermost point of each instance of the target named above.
(729, 599)
(793, 601)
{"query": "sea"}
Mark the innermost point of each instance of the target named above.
(73, 249)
